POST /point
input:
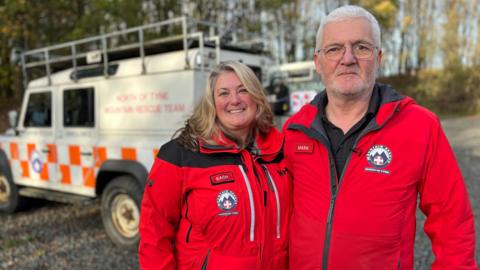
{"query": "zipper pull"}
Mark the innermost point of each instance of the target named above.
(265, 198)
(267, 175)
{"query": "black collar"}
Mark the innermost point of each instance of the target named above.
(372, 106)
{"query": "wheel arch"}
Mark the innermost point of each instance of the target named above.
(111, 169)
(14, 202)
(5, 165)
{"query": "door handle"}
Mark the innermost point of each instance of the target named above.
(86, 153)
(46, 151)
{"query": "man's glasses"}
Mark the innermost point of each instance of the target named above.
(359, 50)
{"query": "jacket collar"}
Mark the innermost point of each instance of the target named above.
(264, 145)
(371, 110)
(310, 116)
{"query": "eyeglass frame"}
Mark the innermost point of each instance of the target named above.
(344, 48)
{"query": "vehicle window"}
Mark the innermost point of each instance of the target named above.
(78, 108)
(39, 110)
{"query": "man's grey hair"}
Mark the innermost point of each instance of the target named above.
(346, 13)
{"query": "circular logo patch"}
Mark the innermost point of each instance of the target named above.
(36, 162)
(227, 200)
(379, 156)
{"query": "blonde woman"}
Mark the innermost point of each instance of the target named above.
(219, 193)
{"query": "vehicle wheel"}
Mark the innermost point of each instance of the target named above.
(121, 211)
(10, 200)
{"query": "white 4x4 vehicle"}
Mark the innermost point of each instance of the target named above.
(93, 130)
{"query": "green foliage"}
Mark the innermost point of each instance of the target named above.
(272, 4)
(385, 11)
(452, 91)
(460, 92)
(29, 24)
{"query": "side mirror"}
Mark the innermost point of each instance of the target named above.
(12, 119)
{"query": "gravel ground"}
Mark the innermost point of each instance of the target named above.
(58, 236)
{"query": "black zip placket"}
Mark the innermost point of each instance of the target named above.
(319, 134)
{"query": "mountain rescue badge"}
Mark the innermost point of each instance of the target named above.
(379, 157)
(227, 201)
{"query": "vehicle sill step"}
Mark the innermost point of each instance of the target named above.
(53, 195)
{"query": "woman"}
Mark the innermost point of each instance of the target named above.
(219, 194)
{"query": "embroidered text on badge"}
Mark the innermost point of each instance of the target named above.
(304, 148)
(221, 178)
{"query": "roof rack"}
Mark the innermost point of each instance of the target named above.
(179, 33)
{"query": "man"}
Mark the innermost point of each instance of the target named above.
(360, 154)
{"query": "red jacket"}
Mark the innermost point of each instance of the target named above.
(367, 219)
(221, 208)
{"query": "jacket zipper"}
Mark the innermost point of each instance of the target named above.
(277, 199)
(335, 189)
(321, 138)
(187, 237)
(205, 261)
(328, 230)
(252, 206)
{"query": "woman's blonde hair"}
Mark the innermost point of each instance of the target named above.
(203, 123)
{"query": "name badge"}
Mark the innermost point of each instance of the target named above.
(306, 148)
(221, 178)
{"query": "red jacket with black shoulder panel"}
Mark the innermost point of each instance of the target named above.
(219, 208)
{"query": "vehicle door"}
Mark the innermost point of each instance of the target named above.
(34, 153)
(76, 139)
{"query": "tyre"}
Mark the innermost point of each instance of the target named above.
(121, 211)
(10, 200)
